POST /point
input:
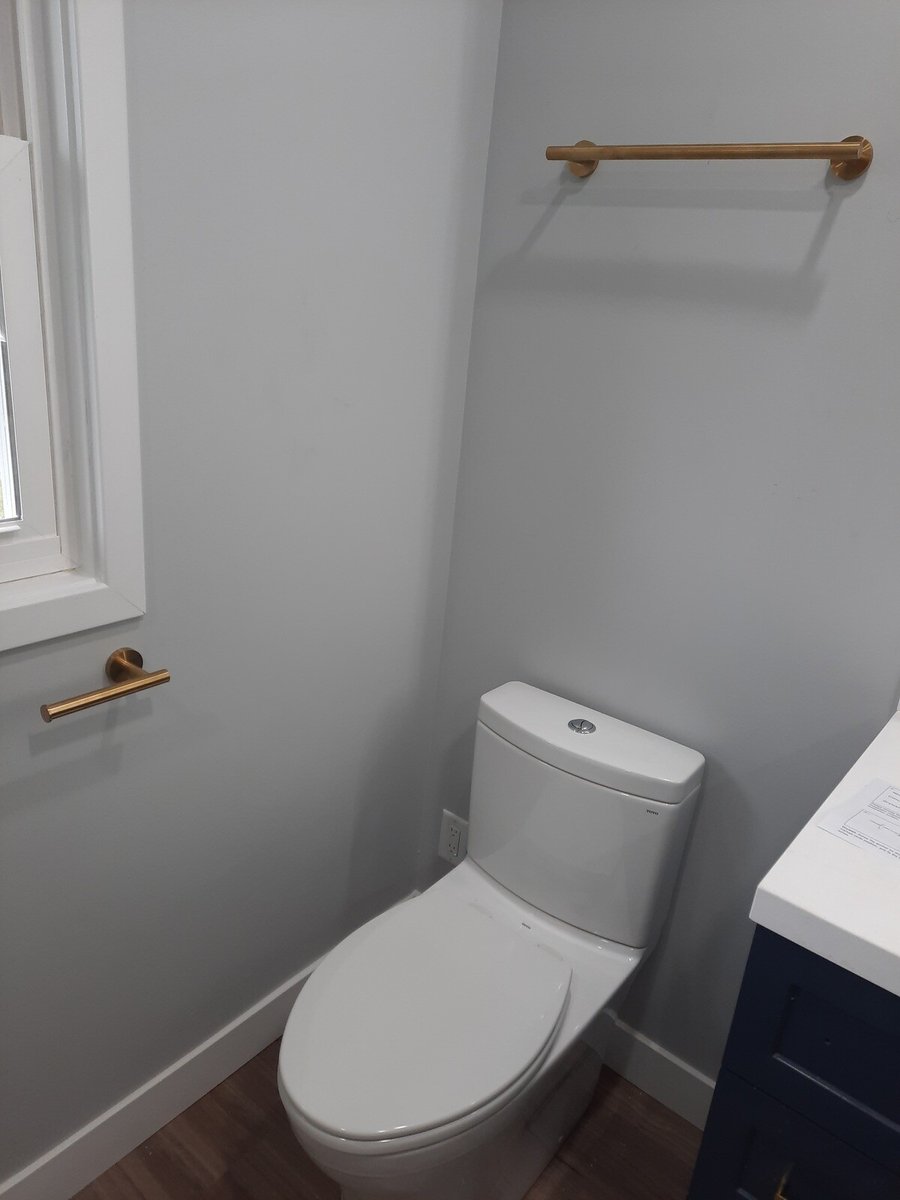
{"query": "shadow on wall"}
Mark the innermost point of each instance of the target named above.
(728, 853)
(686, 281)
(381, 865)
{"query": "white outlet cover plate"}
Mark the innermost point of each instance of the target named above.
(449, 822)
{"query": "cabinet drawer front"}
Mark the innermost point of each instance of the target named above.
(755, 1148)
(824, 1041)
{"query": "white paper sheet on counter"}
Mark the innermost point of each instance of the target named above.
(870, 818)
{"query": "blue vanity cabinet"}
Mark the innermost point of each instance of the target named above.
(807, 1105)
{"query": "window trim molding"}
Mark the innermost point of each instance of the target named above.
(96, 446)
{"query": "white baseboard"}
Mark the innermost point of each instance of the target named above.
(660, 1074)
(72, 1164)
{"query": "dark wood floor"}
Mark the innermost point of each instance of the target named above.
(236, 1144)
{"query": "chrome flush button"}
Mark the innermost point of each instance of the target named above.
(580, 725)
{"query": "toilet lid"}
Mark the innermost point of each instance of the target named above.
(422, 1016)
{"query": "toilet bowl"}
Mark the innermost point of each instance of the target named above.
(444, 1050)
(439, 1027)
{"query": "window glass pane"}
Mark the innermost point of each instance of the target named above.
(10, 508)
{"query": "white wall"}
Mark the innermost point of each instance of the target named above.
(679, 490)
(304, 288)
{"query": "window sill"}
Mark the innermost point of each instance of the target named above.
(51, 606)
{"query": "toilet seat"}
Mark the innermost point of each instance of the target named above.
(420, 1021)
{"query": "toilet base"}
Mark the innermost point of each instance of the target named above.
(504, 1167)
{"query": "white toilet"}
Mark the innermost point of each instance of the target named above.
(445, 1049)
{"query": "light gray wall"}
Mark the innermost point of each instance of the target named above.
(304, 313)
(679, 494)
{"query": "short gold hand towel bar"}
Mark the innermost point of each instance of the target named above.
(125, 668)
(848, 158)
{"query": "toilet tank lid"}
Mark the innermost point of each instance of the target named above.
(615, 755)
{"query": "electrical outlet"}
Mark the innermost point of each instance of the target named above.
(454, 837)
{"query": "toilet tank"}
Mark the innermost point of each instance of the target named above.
(587, 826)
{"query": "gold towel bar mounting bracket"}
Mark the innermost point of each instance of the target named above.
(848, 159)
(124, 668)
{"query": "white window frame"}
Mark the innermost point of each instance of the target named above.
(74, 99)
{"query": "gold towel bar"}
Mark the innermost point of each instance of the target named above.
(848, 158)
(124, 668)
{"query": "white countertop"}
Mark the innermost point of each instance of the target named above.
(841, 900)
